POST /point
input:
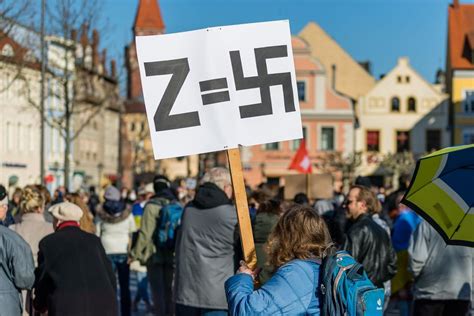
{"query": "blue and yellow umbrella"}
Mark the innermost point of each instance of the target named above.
(442, 192)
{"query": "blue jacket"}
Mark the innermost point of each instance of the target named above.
(293, 290)
(404, 226)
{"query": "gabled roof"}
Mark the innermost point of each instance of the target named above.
(148, 16)
(460, 35)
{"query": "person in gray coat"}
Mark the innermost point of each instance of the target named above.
(443, 274)
(16, 271)
(205, 247)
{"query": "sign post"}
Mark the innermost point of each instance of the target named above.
(243, 215)
(209, 90)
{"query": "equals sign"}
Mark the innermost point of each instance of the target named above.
(214, 97)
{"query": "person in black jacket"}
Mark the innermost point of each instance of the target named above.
(74, 276)
(368, 243)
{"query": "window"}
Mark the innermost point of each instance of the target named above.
(399, 79)
(296, 143)
(19, 137)
(403, 141)
(373, 140)
(272, 146)
(469, 101)
(327, 138)
(142, 126)
(7, 50)
(395, 104)
(468, 137)
(411, 104)
(433, 139)
(132, 126)
(407, 79)
(301, 90)
(9, 136)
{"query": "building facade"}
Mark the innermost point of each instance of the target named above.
(19, 120)
(346, 75)
(460, 72)
(93, 103)
(401, 113)
(97, 126)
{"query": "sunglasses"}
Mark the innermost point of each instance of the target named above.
(348, 202)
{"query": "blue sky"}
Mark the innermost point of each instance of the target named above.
(375, 30)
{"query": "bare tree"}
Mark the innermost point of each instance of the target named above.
(87, 88)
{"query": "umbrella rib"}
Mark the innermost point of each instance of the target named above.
(431, 181)
(460, 222)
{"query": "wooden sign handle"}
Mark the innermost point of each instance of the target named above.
(241, 203)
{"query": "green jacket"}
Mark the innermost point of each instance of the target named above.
(144, 249)
(264, 224)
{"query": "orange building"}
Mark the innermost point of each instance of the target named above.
(327, 118)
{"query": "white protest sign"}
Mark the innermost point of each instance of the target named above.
(218, 88)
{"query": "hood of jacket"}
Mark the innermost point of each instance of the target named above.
(113, 212)
(210, 195)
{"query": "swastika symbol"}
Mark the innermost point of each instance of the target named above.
(263, 80)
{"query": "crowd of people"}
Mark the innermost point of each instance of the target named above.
(74, 253)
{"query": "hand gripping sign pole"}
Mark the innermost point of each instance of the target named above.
(246, 235)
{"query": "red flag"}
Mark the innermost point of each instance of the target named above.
(301, 161)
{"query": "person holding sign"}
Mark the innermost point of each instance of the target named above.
(205, 247)
(299, 235)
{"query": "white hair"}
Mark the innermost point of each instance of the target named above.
(219, 176)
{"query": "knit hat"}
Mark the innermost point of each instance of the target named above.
(112, 194)
(66, 211)
(3, 195)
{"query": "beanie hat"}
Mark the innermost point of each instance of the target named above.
(112, 194)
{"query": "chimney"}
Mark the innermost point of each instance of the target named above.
(403, 61)
(103, 60)
(84, 39)
(95, 48)
(456, 3)
(74, 35)
(113, 69)
(334, 68)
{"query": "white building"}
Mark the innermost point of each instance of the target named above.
(95, 145)
(19, 125)
(402, 112)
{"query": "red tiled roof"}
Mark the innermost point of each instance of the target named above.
(148, 15)
(460, 34)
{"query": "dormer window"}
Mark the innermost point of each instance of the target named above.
(7, 50)
(469, 47)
